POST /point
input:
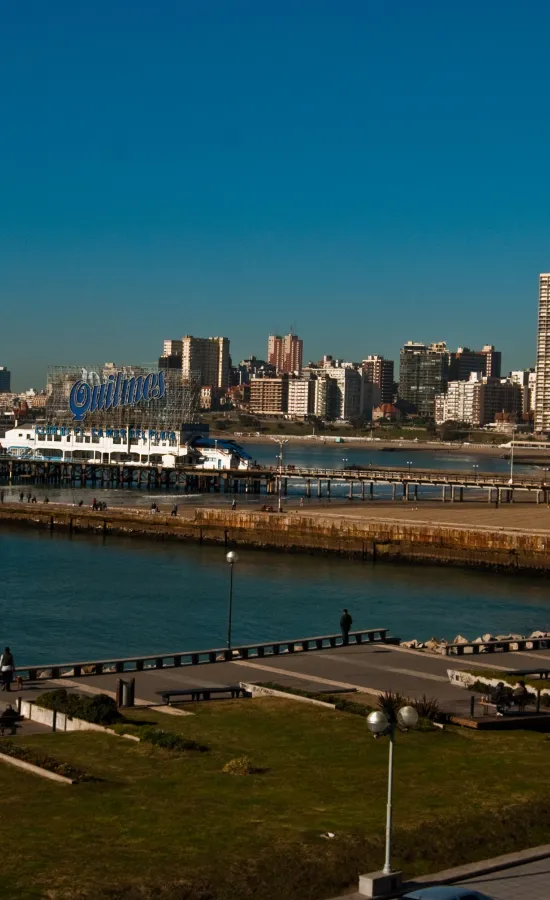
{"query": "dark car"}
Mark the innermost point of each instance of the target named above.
(446, 892)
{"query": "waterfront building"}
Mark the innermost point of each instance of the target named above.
(253, 368)
(5, 380)
(542, 400)
(525, 378)
(301, 397)
(488, 361)
(269, 396)
(205, 360)
(423, 373)
(345, 397)
(380, 372)
(285, 353)
(128, 414)
(479, 401)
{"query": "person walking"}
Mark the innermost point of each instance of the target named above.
(345, 624)
(174, 510)
(234, 504)
(7, 667)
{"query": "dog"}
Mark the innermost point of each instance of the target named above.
(19, 683)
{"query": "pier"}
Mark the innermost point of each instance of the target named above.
(407, 484)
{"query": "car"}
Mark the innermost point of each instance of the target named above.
(446, 892)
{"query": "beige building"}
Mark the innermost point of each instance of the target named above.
(479, 400)
(269, 396)
(205, 359)
(301, 397)
(285, 353)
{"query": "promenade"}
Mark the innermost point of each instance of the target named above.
(368, 669)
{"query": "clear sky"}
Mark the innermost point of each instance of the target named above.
(365, 171)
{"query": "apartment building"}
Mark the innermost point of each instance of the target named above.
(285, 353)
(423, 373)
(269, 396)
(204, 359)
(379, 371)
(542, 399)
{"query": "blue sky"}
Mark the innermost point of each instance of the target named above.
(365, 172)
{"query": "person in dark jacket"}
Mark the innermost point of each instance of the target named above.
(7, 667)
(345, 624)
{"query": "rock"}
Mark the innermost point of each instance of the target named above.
(538, 634)
(410, 645)
(487, 637)
(460, 639)
(433, 644)
(477, 640)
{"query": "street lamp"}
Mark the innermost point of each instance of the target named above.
(344, 461)
(409, 463)
(231, 558)
(380, 724)
(511, 482)
(281, 444)
(475, 467)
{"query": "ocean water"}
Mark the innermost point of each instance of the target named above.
(75, 598)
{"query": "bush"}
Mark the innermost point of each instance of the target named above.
(168, 740)
(241, 765)
(427, 707)
(391, 702)
(99, 709)
(36, 758)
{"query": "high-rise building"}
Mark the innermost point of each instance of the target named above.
(203, 359)
(542, 398)
(488, 361)
(479, 401)
(379, 371)
(285, 353)
(344, 392)
(423, 373)
(269, 396)
(5, 380)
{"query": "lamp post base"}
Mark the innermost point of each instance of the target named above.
(379, 885)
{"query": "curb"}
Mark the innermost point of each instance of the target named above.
(485, 867)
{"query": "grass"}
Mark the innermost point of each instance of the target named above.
(158, 815)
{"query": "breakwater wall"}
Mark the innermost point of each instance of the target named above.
(363, 538)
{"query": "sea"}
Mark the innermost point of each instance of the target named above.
(76, 598)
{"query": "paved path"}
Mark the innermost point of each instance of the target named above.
(368, 668)
(528, 882)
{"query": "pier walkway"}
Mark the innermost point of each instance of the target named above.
(367, 668)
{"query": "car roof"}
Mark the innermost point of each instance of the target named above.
(445, 892)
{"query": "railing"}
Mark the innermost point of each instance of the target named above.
(199, 657)
(503, 646)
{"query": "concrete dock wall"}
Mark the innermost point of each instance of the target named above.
(361, 537)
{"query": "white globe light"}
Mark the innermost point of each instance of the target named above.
(232, 557)
(378, 722)
(407, 717)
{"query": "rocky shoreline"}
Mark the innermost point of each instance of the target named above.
(441, 645)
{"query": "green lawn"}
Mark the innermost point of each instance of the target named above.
(159, 815)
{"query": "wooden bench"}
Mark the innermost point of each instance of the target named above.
(10, 727)
(206, 693)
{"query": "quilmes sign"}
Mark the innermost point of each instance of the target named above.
(117, 390)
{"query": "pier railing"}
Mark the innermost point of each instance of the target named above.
(200, 657)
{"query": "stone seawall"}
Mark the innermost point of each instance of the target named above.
(361, 537)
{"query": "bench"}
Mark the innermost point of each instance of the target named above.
(200, 693)
(10, 726)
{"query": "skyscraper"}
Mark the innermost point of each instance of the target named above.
(464, 361)
(285, 353)
(379, 372)
(542, 399)
(204, 359)
(5, 380)
(423, 373)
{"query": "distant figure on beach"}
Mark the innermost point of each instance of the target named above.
(33, 500)
(29, 497)
(174, 510)
(234, 504)
(7, 666)
(81, 503)
(154, 507)
(345, 624)
(46, 499)
(21, 497)
(301, 501)
(1, 496)
(94, 504)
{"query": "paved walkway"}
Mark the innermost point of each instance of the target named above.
(368, 668)
(528, 882)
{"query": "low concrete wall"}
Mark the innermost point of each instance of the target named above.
(466, 679)
(363, 538)
(257, 690)
(63, 722)
(36, 770)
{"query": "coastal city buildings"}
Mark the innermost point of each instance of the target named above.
(5, 380)
(488, 361)
(269, 396)
(285, 353)
(203, 359)
(423, 373)
(479, 401)
(542, 400)
(378, 371)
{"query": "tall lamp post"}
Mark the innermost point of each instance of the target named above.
(380, 724)
(409, 463)
(475, 467)
(231, 558)
(281, 442)
(512, 457)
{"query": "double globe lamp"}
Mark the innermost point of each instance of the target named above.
(381, 724)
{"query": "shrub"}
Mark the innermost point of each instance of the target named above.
(168, 740)
(241, 765)
(427, 707)
(36, 758)
(390, 703)
(99, 709)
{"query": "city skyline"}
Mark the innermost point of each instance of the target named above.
(364, 178)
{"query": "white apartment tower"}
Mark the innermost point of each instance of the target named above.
(542, 397)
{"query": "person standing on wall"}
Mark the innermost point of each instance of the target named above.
(7, 667)
(345, 624)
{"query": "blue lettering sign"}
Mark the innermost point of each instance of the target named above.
(115, 392)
